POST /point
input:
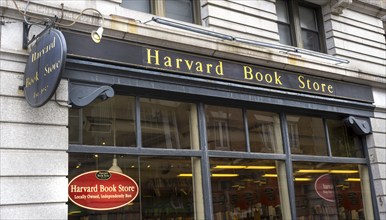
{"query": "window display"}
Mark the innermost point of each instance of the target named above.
(328, 191)
(201, 161)
(165, 186)
(245, 189)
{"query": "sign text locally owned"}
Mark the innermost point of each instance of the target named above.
(102, 190)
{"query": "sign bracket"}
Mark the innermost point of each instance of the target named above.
(27, 28)
(83, 95)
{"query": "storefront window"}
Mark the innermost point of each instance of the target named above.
(105, 123)
(328, 191)
(264, 132)
(306, 135)
(80, 163)
(245, 189)
(344, 142)
(168, 124)
(239, 184)
(225, 128)
(165, 186)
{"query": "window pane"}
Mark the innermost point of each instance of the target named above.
(284, 34)
(180, 10)
(310, 40)
(328, 191)
(225, 128)
(80, 163)
(138, 5)
(344, 142)
(75, 126)
(166, 188)
(307, 136)
(282, 11)
(245, 189)
(168, 124)
(264, 132)
(109, 123)
(308, 18)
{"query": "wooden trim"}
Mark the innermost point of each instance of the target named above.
(295, 28)
(158, 7)
(197, 18)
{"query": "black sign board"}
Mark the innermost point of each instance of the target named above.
(44, 67)
(125, 53)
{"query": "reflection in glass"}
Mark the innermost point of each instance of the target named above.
(344, 142)
(308, 18)
(306, 135)
(282, 11)
(225, 128)
(167, 124)
(309, 29)
(138, 5)
(107, 123)
(245, 189)
(167, 189)
(180, 10)
(328, 191)
(310, 40)
(75, 126)
(264, 132)
(283, 22)
(284, 34)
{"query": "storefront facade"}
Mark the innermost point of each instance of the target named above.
(207, 128)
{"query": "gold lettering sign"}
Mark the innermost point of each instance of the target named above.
(308, 84)
(211, 67)
(154, 57)
(44, 67)
(163, 59)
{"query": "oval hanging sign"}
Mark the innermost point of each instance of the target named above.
(44, 67)
(102, 190)
(324, 187)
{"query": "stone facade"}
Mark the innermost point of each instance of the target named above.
(34, 141)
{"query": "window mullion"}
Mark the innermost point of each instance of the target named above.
(322, 36)
(138, 122)
(288, 164)
(197, 12)
(158, 7)
(327, 137)
(246, 128)
(295, 20)
(207, 186)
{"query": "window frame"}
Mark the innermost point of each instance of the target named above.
(204, 154)
(294, 25)
(157, 7)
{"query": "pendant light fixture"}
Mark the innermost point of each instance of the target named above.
(115, 166)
